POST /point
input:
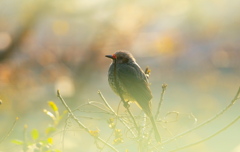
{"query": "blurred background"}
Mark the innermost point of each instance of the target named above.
(191, 45)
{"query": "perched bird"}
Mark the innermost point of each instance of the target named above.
(128, 81)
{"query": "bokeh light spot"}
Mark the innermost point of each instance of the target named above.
(65, 85)
(60, 27)
(5, 40)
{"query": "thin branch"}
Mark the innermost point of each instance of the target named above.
(105, 102)
(93, 103)
(10, 130)
(64, 132)
(134, 121)
(109, 107)
(81, 124)
(208, 121)
(90, 111)
(169, 113)
(98, 107)
(209, 137)
(164, 87)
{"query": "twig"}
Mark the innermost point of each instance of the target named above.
(169, 113)
(208, 121)
(10, 130)
(109, 107)
(164, 87)
(98, 107)
(209, 137)
(134, 121)
(81, 124)
(93, 103)
(64, 132)
(90, 111)
(106, 103)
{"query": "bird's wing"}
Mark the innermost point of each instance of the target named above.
(135, 83)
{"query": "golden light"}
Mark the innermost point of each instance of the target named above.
(5, 40)
(60, 27)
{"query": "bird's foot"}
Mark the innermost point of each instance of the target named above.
(126, 104)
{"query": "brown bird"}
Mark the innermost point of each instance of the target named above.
(128, 81)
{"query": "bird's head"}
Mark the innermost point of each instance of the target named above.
(121, 57)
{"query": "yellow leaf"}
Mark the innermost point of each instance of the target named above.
(50, 140)
(53, 106)
(94, 133)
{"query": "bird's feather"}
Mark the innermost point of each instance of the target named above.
(134, 81)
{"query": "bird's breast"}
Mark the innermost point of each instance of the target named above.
(117, 85)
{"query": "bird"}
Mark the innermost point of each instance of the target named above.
(127, 80)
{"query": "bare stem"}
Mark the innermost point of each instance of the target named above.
(209, 137)
(106, 103)
(208, 121)
(109, 107)
(81, 124)
(64, 132)
(10, 131)
(98, 107)
(134, 121)
(164, 87)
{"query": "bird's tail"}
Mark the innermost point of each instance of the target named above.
(156, 132)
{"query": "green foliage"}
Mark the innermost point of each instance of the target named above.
(42, 142)
(17, 142)
(35, 134)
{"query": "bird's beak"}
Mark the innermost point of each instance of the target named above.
(111, 56)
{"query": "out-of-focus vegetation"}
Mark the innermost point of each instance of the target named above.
(193, 46)
(34, 141)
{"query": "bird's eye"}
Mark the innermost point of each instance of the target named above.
(120, 58)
